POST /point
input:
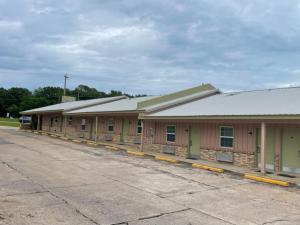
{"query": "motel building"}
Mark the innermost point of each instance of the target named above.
(258, 129)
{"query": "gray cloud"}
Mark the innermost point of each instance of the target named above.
(150, 46)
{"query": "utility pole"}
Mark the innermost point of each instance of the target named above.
(65, 86)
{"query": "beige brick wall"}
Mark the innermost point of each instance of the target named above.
(158, 148)
(239, 159)
(57, 126)
(244, 160)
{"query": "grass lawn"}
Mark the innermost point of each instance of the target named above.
(9, 122)
(8, 119)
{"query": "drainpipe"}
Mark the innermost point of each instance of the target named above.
(38, 123)
(96, 129)
(142, 136)
(263, 148)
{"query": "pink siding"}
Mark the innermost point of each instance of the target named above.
(103, 124)
(244, 137)
(160, 134)
(132, 131)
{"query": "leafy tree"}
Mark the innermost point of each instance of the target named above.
(2, 102)
(13, 110)
(51, 94)
(18, 99)
(85, 92)
(14, 96)
(114, 93)
(33, 102)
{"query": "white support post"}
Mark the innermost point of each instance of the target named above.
(142, 137)
(65, 126)
(263, 148)
(96, 129)
(38, 123)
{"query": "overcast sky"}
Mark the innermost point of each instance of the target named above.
(150, 46)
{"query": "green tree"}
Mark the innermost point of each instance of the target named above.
(15, 95)
(51, 94)
(85, 92)
(114, 93)
(3, 111)
(13, 110)
(33, 102)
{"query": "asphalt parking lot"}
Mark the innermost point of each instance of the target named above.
(50, 181)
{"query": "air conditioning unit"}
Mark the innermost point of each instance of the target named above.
(108, 137)
(224, 156)
(137, 140)
(169, 150)
(81, 135)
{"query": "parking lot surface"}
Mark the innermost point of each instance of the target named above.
(50, 181)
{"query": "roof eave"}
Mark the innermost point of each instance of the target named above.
(103, 113)
(223, 117)
(41, 112)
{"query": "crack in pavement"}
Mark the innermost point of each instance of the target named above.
(150, 217)
(204, 213)
(24, 193)
(274, 221)
(51, 193)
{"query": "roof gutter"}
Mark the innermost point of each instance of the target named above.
(235, 117)
(104, 113)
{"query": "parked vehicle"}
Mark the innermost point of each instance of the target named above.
(25, 119)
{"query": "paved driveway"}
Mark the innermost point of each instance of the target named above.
(49, 181)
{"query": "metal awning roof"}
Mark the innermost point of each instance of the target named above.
(123, 105)
(270, 102)
(67, 106)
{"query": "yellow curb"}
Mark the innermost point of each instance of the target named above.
(135, 153)
(166, 159)
(210, 168)
(76, 141)
(35, 132)
(91, 143)
(64, 138)
(111, 147)
(53, 135)
(43, 133)
(266, 180)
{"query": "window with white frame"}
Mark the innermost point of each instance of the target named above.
(139, 127)
(83, 124)
(226, 137)
(110, 125)
(171, 133)
(70, 121)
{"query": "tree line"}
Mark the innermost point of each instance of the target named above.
(17, 99)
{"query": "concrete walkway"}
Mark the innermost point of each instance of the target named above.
(228, 168)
